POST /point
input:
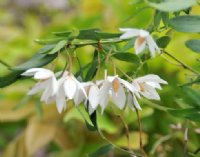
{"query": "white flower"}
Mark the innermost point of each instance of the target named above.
(92, 100)
(148, 84)
(143, 39)
(69, 87)
(132, 102)
(47, 82)
(113, 86)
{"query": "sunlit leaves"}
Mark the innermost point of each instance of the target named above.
(186, 23)
(194, 45)
(173, 5)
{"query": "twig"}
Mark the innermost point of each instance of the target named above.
(180, 62)
(127, 131)
(5, 64)
(140, 128)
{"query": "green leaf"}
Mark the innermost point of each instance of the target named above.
(193, 94)
(194, 116)
(49, 41)
(89, 34)
(38, 60)
(104, 35)
(93, 68)
(127, 57)
(58, 46)
(165, 18)
(186, 23)
(157, 18)
(102, 151)
(188, 113)
(173, 5)
(10, 78)
(194, 45)
(182, 113)
(162, 42)
(128, 45)
(62, 34)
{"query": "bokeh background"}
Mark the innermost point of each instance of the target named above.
(29, 128)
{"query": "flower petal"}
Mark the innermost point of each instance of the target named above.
(139, 45)
(94, 96)
(150, 93)
(70, 87)
(60, 100)
(43, 74)
(38, 87)
(32, 71)
(119, 97)
(79, 97)
(104, 94)
(152, 46)
(129, 33)
(136, 104)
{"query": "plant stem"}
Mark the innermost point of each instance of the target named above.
(127, 131)
(180, 62)
(140, 128)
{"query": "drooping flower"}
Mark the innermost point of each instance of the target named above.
(143, 38)
(47, 83)
(147, 86)
(113, 87)
(69, 87)
(92, 100)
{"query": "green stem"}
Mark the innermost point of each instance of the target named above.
(180, 62)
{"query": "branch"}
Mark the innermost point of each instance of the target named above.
(180, 62)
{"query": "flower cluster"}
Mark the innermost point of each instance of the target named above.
(93, 94)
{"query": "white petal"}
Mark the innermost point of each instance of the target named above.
(38, 87)
(91, 109)
(94, 96)
(143, 33)
(70, 87)
(104, 94)
(139, 46)
(152, 46)
(128, 85)
(44, 74)
(60, 100)
(119, 97)
(154, 85)
(129, 33)
(150, 93)
(79, 97)
(151, 78)
(130, 101)
(135, 102)
(32, 71)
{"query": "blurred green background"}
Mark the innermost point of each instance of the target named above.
(29, 128)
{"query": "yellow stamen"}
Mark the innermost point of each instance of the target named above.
(115, 85)
(140, 41)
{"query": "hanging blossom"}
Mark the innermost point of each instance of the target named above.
(143, 38)
(69, 87)
(47, 83)
(147, 86)
(113, 87)
(93, 93)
